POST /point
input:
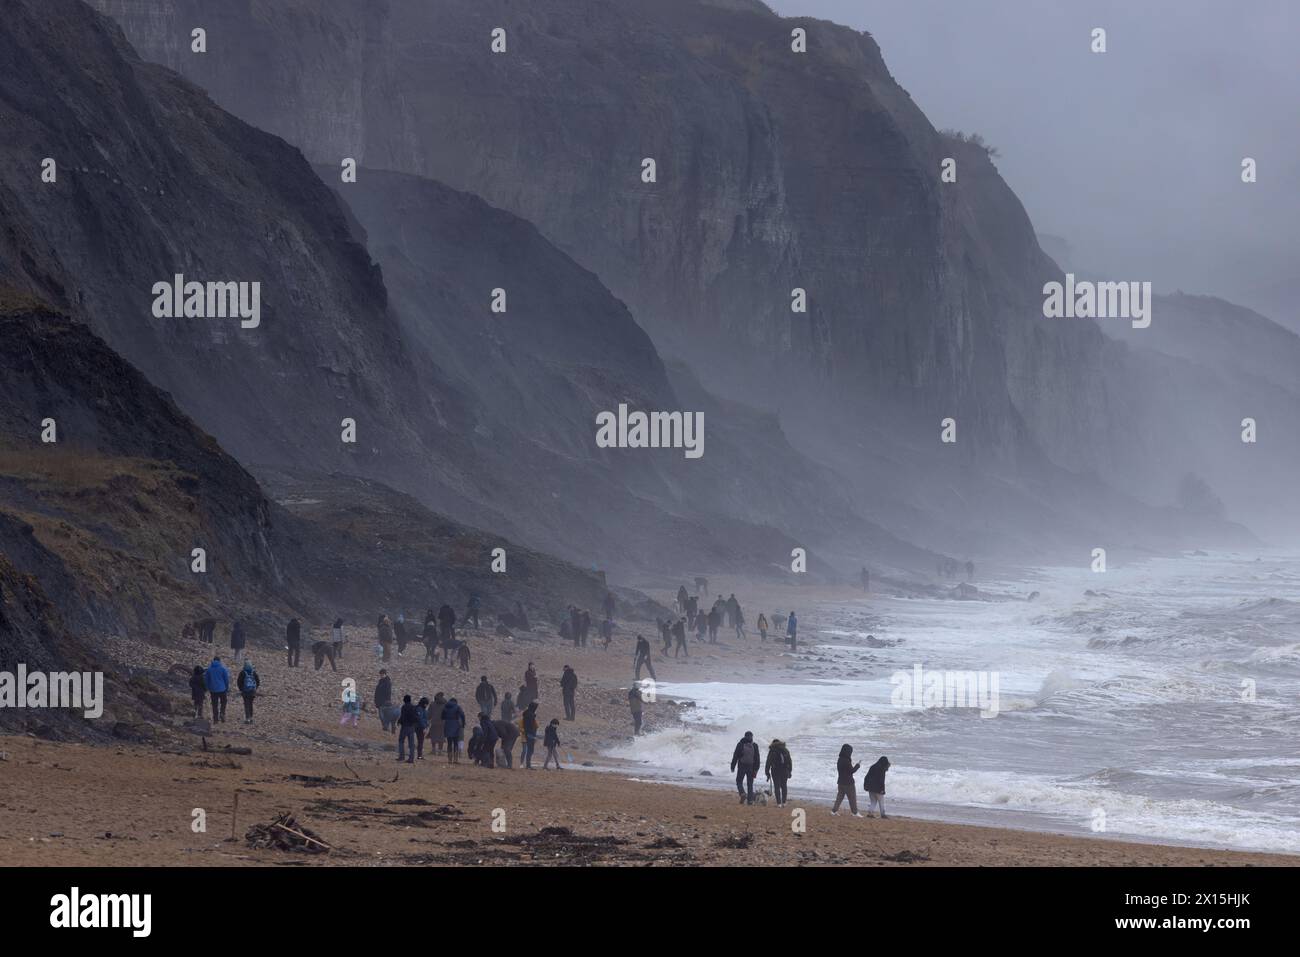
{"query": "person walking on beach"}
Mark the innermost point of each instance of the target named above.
(584, 625)
(453, 724)
(486, 696)
(679, 635)
(607, 632)
(792, 631)
(778, 769)
(385, 628)
(681, 599)
(609, 604)
(237, 641)
(530, 681)
(383, 697)
(529, 722)
(462, 655)
(874, 785)
(206, 627)
(437, 738)
(845, 788)
(740, 624)
(552, 743)
(701, 626)
(762, 626)
(634, 705)
(569, 689)
(217, 680)
(715, 622)
(407, 721)
(429, 636)
(508, 708)
(744, 761)
(198, 691)
(471, 611)
(247, 683)
(643, 655)
(447, 630)
(399, 633)
(336, 638)
(293, 640)
(422, 725)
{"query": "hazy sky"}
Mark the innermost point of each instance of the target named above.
(1132, 156)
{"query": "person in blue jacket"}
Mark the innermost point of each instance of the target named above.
(453, 725)
(217, 680)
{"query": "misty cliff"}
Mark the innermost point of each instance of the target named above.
(776, 170)
(565, 350)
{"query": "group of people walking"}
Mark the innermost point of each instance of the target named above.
(212, 684)
(692, 618)
(779, 768)
(486, 740)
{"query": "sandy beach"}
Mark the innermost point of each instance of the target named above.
(135, 803)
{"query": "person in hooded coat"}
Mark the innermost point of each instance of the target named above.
(198, 691)
(845, 788)
(744, 761)
(453, 725)
(874, 785)
(383, 698)
(217, 680)
(778, 769)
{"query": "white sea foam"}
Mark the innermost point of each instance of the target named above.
(1131, 701)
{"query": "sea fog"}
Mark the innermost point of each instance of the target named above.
(1161, 707)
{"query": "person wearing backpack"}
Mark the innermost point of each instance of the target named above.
(198, 691)
(744, 761)
(778, 769)
(874, 785)
(845, 768)
(247, 683)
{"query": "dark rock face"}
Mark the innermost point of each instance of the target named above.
(155, 180)
(106, 517)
